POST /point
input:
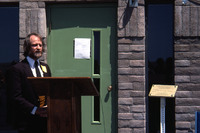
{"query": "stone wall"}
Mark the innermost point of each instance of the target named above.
(32, 18)
(131, 68)
(187, 63)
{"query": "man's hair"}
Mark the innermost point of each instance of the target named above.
(27, 43)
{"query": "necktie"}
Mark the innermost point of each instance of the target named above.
(37, 70)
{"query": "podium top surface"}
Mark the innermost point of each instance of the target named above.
(84, 84)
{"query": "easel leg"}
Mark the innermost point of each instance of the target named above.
(162, 114)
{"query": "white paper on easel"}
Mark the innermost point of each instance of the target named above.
(82, 48)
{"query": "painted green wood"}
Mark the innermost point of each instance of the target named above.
(65, 23)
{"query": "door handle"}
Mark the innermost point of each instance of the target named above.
(109, 88)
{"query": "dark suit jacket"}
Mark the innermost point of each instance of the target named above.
(21, 95)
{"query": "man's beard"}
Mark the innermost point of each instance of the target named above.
(36, 55)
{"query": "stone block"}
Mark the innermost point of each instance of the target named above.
(137, 94)
(123, 78)
(41, 4)
(125, 40)
(28, 5)
(125, 116)
(178, 21)
(194, 47)
(139, 130)
(42, 22)
(182, 79)
(195, 63)
(180, 125)
(198, 27)
(123, 109)
(123, 48)
(185, 117)
(121, 25)
(188, 87)
(123, 63)
(124, 93)
(28, 22)
(139, 116)
(195, 79)
(137, 78)
(130, 22)
(194, 21)
(141, 21)
(123, 124)
(22, 23)
(182, 63)
(187, 101)
(137, 108)
(183, 94)
(137, 56)
(137, 123)
(185, 21)
(138, 101)
(127, 56)
(187, 109)
(125, 71)
(137, 48)
(125, 101)
(182, 48)
(137, 63)
(122, 3)
(139, 86)
(138, 40)
(187, 70)
(138, 71)
(33, 21)
(126, 86)
(125, 130)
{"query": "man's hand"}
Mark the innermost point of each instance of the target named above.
(42, 112)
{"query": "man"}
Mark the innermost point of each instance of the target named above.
(29, 116)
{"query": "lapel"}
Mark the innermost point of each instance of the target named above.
(45, 69)
(45, 74)
(27, 68)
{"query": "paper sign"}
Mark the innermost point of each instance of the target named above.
(82, 48)
(163, 90)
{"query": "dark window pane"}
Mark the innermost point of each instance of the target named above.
(97, 101)
(96, 52)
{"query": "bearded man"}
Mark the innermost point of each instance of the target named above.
(29, 113)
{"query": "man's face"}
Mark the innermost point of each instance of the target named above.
(36, 47)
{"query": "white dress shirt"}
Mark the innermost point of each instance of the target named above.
(32, 66)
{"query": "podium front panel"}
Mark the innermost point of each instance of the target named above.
(64, 101)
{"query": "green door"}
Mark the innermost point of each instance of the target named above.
(82, 43)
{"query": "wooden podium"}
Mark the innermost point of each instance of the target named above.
(64, 100)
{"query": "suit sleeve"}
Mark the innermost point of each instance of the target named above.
(17, 94)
